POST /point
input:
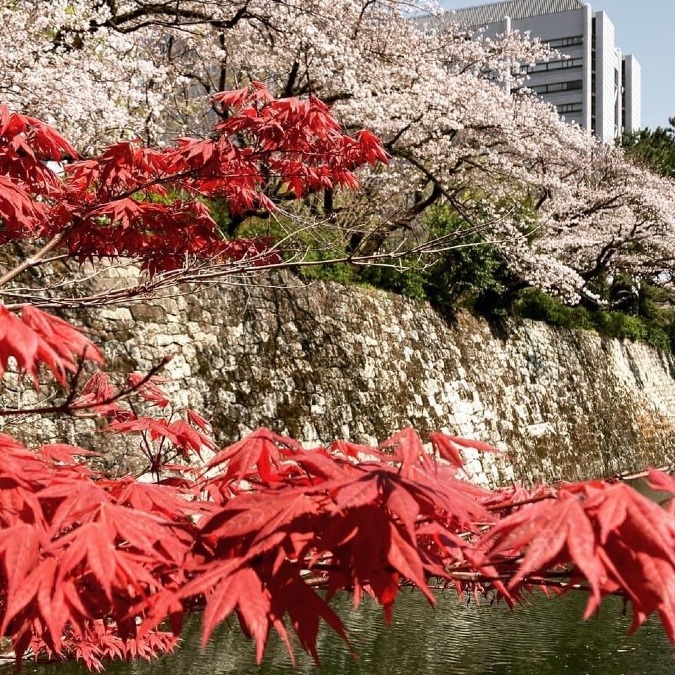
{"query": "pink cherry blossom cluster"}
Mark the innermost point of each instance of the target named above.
(101, 70)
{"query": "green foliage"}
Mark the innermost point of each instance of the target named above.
(342, 273)
(409, 279)
(534, 304)
(658, 331)
(220, 212)
(654, 148)
(467, 273)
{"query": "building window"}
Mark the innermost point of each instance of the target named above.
(568, 108)
(553, 65)
(553, 87)
(565, 42)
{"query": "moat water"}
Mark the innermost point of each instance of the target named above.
(545, 637)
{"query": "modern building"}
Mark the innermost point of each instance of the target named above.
(596, 86)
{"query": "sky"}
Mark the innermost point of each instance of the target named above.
(646, 29)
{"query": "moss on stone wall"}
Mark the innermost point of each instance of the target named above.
(326, 361)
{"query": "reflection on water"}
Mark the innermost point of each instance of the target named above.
(545, 637)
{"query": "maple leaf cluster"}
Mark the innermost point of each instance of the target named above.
(270, 531)
(138, 202)
(95, 567)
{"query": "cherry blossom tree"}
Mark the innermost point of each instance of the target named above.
(441, 103)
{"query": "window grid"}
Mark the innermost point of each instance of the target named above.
(572, 85)
(568, 108)
(554, 65)
(566, 41)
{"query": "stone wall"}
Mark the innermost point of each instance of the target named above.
(324, 361)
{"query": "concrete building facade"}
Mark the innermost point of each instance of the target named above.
(596, 86)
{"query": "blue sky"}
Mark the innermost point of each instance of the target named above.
(645, 28)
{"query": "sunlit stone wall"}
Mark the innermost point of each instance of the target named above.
(322, 361)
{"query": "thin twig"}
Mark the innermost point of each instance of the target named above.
(32, 260)
(67, 407)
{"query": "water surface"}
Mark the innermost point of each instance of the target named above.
(546, 637)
